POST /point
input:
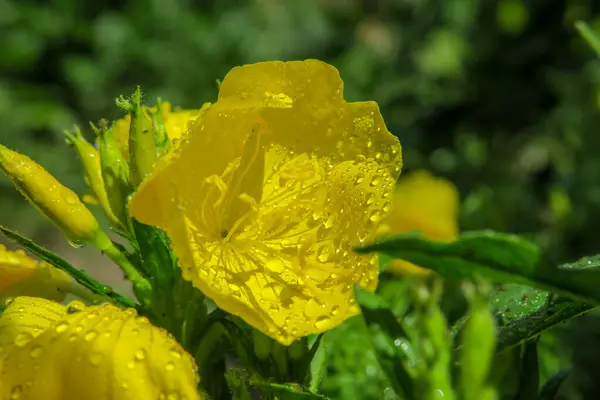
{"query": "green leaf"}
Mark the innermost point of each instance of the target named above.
(286, 391)
(589, 35)
(53, 259)
(390, 342)
(529, 377)
(552, 386)
(500, 257)
(513, 301)
(556, 310)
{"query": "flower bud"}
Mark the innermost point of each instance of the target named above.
(90, 159)
(115, 172)
(57, 202)
(142, 147)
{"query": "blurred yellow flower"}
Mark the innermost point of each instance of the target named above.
(425, 203)
(264, 201)
(54, 352)
(24, 276)
(176, 123)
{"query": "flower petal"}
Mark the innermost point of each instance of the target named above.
(425, 203)
(276, 84)
(24, 276)
(267, 197)
(96, 353)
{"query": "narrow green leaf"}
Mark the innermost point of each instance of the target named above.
(529, 377)
(552, 386)
(318, 358)
(500, 257)
(555, 311)
(589, 35)
(390, 342)
(286, 391)
(81, 277)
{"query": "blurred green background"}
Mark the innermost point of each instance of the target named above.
(500, 96)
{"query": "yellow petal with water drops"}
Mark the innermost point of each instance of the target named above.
(275, 185)
(92, 353)
(423, 202)
(24, 319)
(21, 275)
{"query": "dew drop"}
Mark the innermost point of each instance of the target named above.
(16, 392)
(131, 312)
(321, 323)
(36, 352)
(375, 217)
(23, 338)
(95, 358)
(91, 335)
(335, 310)
(92, 315)
(61, 327)
(75, 306)
(313, 308)
(170, 366)
(275, 265)
(140, 354)
(175, 354)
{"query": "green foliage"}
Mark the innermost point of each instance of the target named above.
(500, 96)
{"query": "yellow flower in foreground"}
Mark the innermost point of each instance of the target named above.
(425, 203)
(54, 352)
(24, 276)
(176, 124)
(275, 185)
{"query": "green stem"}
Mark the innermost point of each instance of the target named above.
(76, 289)
(208, 342)
(141, 285)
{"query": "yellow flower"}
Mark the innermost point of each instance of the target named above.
(24, 276)
(274, 186)
(57, 202)
(176, 124)
(423, 203)
(54, 352)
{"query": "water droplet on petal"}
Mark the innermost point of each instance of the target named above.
(75, 306)
(313, 309)
(375, 217)
(61, 327)
(170, 366)
(321, 323)
(36, 352)
(140, 354)
(275, 265)
(23, 338)
(91, 335)
(16, 392)
(92, 315)
(95, 358)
